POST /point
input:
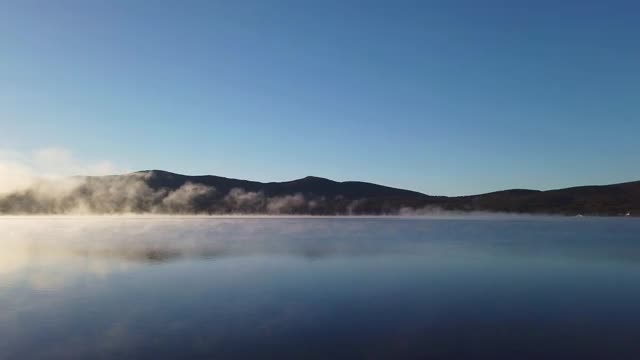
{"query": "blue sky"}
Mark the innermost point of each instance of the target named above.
(444, 97)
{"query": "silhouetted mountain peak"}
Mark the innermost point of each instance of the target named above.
(314, 179)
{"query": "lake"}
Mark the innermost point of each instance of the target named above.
(319, 288)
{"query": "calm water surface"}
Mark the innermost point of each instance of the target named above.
(325, 288)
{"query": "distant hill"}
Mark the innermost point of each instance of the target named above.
(612, 200)
(309, 186)
(159, 191)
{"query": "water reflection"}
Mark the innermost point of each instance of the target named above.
(26, 241)
(318, 288)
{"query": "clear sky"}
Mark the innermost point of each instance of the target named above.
(444, 97)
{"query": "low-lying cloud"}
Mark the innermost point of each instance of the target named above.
(46, 181)
(20, 171)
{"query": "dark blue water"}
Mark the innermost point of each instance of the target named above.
(319, 288)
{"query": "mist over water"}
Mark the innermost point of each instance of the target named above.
(48, 181)
(205, 287)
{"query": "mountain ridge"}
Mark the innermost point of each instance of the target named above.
(161, 191)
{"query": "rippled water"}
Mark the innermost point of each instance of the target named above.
(500, 288)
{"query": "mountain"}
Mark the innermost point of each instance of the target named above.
(159, 191)
(308, 186)
(615, 199)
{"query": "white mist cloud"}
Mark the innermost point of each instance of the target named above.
(20, 171)
(354, 205)
(182, 200)
(286, 204)
(14, 176)
(53, 181)
(244, 201)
